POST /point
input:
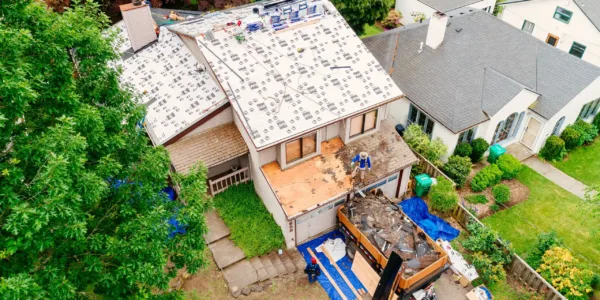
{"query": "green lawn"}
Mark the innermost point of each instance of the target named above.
(548, 208)
(583, 163)
(370, 30)
(252, 226)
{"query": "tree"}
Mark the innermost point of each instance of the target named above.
(81, 207)
(360, 12)
(563, 271)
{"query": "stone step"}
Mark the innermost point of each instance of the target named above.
(287, 262)
(240, 275)
(277, 264)
(226, 253)
(266, 262)
(297, 259)
(216, 227)
(260, 269)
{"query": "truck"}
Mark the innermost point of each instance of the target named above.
(359, 244)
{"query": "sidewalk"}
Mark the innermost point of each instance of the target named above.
(557, 176)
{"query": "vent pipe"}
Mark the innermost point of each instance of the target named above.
(139, 24)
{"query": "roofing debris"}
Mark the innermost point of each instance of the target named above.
(389, 229)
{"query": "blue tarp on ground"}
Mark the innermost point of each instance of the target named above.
(416, 209)
(345, 264)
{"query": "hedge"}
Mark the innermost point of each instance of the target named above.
(479, 147)
(572, 138)
(485, 178)
(443, 197)
(458, 169)
(463, 149)
(501, 193)
(554, 149)
(509, 165)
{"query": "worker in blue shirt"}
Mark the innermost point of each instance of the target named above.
(364, 161)
(313, 270)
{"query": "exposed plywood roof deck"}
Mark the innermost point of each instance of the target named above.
(327, 176)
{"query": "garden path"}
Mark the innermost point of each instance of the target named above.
(557, 176)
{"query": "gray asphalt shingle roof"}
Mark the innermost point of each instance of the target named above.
(479, 68)
(447, 5)
(591, 8)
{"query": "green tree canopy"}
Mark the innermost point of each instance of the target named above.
(360, 12)
(81, 210)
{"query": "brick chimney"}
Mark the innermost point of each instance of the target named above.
(139, 23)
(436, 30)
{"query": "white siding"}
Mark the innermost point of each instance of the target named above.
(580, 29)
(333, 130)
(268, 155)
(222, 118)
(398, 110)
(406, 7)
(263, 189)
(449, 138)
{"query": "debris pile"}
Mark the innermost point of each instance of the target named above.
(389, 229)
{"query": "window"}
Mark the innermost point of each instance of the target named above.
(577, 49)
(363, 123)
(552, 40)
(528, 26)
(467, 135)
(558, 126)
(301, 147)
(508, 128)
(563, 15)
(418, 117)
(590, 109)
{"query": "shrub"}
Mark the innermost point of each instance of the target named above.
(436, 150)
(458, 168)
(476, 199)
(501, 193)
(588, 131)
(596, 121)
(479, 147)
(443, 196)
(489, 271)
(463, 149)
(418, 16)
(487, 177)
(483, 239)
(392, 20)
(560, 268)
(572, 137)
(495, 207)
(419, 142)
(544, 242)
(554, 149)
(509, 165)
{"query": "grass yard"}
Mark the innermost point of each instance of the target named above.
(583, 164)
(252, 226)
(370, 30)
(549, 207)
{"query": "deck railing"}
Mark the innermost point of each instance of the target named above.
(518, 268)
(218, 185)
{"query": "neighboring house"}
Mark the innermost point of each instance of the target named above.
(407, 7)
(472, 75)
(287, 104)
(570, 25)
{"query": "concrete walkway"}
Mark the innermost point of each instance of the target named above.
(557, 176)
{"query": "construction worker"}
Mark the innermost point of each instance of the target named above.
(364, 161)
(313, 270)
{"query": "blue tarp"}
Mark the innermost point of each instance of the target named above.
(345, 264)
(435, 227)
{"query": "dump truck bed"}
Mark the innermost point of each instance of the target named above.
(379, 259)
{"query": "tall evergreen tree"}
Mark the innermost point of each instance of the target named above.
(360, 12)
(81, 212)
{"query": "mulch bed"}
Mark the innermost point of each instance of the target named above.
(518, 193)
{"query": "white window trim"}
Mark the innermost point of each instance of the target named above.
(283, 157)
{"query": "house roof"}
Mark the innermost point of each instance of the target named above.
(449, 82)
(284, 83)
(167, 78)
(591, 8)
(447, 5)
(213, 147)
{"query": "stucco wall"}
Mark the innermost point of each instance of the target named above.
(406, 7)
(579, 29)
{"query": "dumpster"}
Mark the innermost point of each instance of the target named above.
(495, 152)
(423, 183)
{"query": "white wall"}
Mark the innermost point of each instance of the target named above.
(224, 117)
(398, 111)
(579, 29)
(449, 138)
(263, 189)
(268, 155)
(570, 112)
(406, 7)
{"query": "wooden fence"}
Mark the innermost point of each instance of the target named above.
(428, 167)
(221, 184)
(518, 268)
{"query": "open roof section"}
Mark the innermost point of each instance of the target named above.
(301, 69)
(167, 77)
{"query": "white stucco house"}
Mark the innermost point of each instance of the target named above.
(282, 93)
(570, 25)
(428, 7)
(472, 75)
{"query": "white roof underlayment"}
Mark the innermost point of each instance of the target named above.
(166, 76)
